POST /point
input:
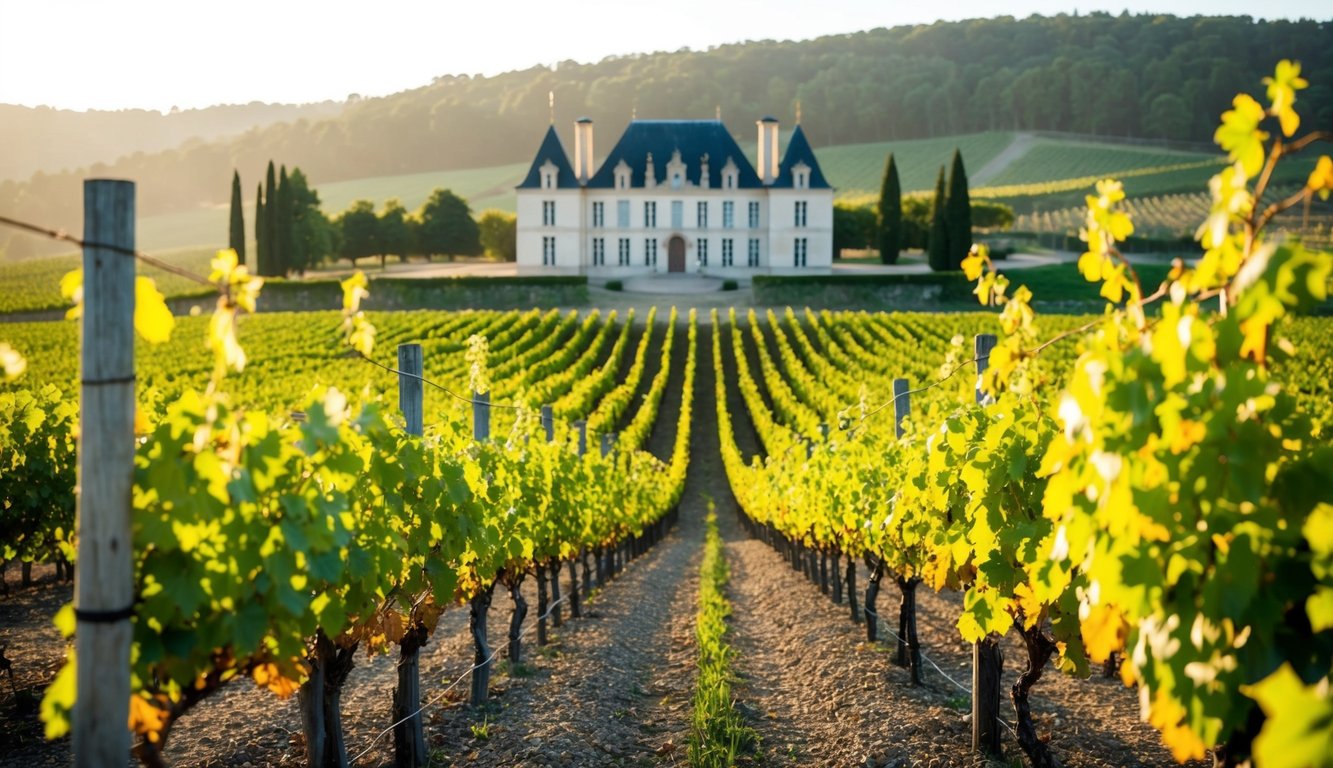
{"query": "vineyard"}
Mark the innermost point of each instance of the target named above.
(1178, 216)
(1124, 521)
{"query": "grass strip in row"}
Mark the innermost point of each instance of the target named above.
(718, 733)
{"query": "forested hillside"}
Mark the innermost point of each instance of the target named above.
(1063, 73)
(52, 140)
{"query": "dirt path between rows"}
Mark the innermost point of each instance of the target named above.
(819, 695)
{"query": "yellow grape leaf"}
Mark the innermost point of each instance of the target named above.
(1113, 290)
(223, 264)
(1319, 607)
(1030, 605)
(975, 263)
(152, 318)
(354, 290)
(71, 289)
(1103, 632)
(1282, 87)
(146, 719)
(1240, 136)
(1109, 192)
(269, 676)
(227, 351)
(1321, 178)
(1166, 715)
(1296, 732)
(12, 364)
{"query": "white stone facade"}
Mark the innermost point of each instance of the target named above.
(675, 212)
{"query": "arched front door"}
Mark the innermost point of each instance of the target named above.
(676, 254)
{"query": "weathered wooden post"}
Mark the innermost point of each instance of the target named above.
(548, 426)
(987, 660)
(409, 739)
(104, 581)
(582, 426)
(480, 604)
(548, 423)
(902, 407)
(608, 443)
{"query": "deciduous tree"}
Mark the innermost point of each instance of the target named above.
(447, 226)
(499, 234)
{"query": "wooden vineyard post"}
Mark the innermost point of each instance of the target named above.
(909, 647)
(548, 423)
(608, 445)
(575, 608)
(409, 739)
(987, 660)
(481, 603)
(410, 391)
(481, 416)
(582, 427)
(104, 581)
(539, 570)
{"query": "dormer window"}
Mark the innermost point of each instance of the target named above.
(676, 170)
(800, 174)
(730, 174)
(622, 175)
(549, 173)
(650, 173)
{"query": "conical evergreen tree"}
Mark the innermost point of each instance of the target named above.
(890, 213)
(236, 235)
(938, 244)
(272, 265)
(286, 226)
(261, 222)
(959, 213)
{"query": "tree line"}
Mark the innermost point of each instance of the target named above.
(1160, 77)
(292, 234)
(942, 224)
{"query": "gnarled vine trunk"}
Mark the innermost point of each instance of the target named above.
(1040, 648)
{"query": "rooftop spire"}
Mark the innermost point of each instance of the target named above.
(550, 97)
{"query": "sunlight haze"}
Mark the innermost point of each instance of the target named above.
(78, 54)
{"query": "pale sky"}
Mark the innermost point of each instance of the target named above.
(155, 54)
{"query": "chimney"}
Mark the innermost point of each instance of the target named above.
(583, 149)
(768, 149)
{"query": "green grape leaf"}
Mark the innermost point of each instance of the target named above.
(1298, 732)
(1240, 136)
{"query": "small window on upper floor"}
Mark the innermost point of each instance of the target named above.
(549, 174)
(730, 174)
(622, 175)
(800, 174)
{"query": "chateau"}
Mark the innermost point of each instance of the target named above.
(675, 196)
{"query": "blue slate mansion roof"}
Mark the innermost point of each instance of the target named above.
(694, 139)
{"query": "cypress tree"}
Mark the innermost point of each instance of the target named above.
(938, 249)
(890, 213)
(286, 221)
(959, 213)
(236, 236)
(272, 239)
(261, 221)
